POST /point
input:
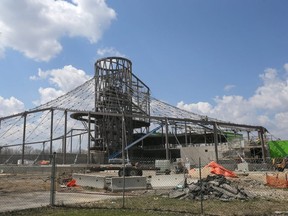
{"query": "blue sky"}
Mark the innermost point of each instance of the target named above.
(225, 59)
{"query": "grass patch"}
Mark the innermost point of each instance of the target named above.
(158, 205)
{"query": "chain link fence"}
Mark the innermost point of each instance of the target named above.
(157, 185)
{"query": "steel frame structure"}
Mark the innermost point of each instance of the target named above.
(117, 90)
(112, 106)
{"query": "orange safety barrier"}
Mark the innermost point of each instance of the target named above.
(220, 170)
(277, 181)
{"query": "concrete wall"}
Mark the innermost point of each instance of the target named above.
(206, 153)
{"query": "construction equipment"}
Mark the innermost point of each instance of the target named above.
(128, 169)
(280, 163)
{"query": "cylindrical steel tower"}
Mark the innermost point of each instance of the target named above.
(117, 90)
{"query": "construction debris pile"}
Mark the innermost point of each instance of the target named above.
(212, 187)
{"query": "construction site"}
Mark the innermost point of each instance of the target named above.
(111, 127)
(115, 113)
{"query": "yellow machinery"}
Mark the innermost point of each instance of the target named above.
(280, 163)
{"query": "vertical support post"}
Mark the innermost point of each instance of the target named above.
(175, 129)
(0, 147)
(123, 160)
(261, 133)
(186, 138)
(201, 191)
(162, 135)
(216, 141)
(51, 132)
(65, 138)
(166, 139)
(123, 142)
(53, 177)
(89, 138)
(71, 140)
(80, 143)
(24, 138)
(248, 137)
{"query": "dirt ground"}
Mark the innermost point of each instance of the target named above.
(253, 182)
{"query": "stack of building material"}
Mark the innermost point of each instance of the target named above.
(212, 187)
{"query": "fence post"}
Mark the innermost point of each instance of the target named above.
(201, 186)
(53, 177)
(123, 159)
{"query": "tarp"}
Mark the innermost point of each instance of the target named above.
(71, 183)
(220, 170)
(278, 149)
(44, 162)
(277, 181)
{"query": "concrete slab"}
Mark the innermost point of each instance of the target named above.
(12, 202)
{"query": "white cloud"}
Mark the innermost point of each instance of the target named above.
(34, 27)
(109, 51)
(41, 75)
(63, 80)
(229, 87)
(267, 107)
(48, 94)
(10, 106)
(273, 94)
(286, 67)
(200, 107)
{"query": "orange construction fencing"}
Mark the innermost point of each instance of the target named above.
(277, 181)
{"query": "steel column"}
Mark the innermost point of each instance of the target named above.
(24, 138)
(166, 139)
(260, 133)
(186, 138)
(216, 140)
(65, 138)
(89, 137)
(51, 132)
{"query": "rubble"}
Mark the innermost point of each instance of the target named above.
(212, 187)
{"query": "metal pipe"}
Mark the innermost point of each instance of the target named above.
(24, 138)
